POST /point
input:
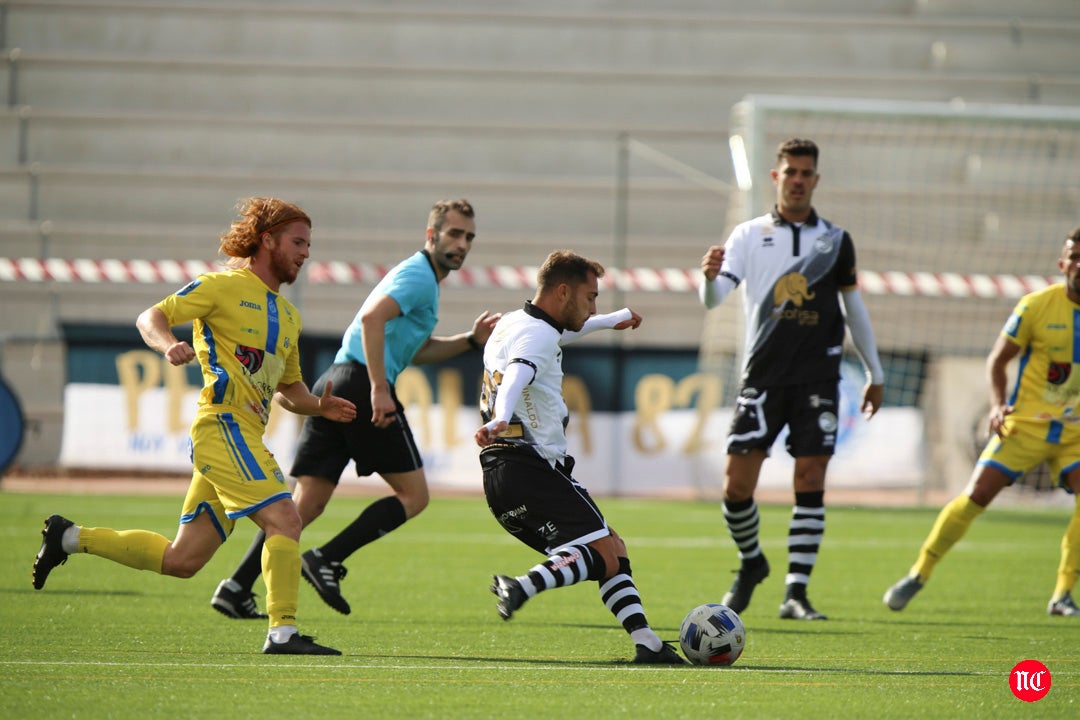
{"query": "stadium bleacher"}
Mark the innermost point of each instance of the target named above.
(130, 130)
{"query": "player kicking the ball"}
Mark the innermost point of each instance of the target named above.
(527, 473)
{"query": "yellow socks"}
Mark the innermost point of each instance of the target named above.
(139, 549)
(1069, 569)
(952, 522)
(281, 571)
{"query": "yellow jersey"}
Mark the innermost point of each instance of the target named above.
(245, 337)
(1045, 325)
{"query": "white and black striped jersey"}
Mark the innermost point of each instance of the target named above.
(532, 338)
(791, 276)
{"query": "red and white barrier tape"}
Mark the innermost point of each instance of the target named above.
(177, 273)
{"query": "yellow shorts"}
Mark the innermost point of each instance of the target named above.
(234, 474)
(1026, 444)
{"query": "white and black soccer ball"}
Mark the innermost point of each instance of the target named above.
(712, 634)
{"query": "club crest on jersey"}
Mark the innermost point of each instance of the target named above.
(823, 244)
(792, 287)
(827, 422)
(1058, 373)
(251, 358)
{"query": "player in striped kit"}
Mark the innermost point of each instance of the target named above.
(795, 268)
(527, 472)
(1036, 422)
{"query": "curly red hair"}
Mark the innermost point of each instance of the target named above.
(257, 216)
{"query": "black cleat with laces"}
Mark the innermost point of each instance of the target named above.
(233, 601)
(325, 576)
(747, 578)
(510, 593)
(51, 552)
(297, 645)
(796, 608)
(666, 655)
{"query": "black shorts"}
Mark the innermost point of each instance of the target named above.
(542, 506)
(809, 411)
(325, 446)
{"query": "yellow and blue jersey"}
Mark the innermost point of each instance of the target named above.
(1044, 425)
(1046, 326)
(245, 337)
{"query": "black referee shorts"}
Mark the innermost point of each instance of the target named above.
(325, 446)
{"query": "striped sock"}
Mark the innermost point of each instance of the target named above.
(620, 596)
(566, 566)
(744, 524)
(804, 539)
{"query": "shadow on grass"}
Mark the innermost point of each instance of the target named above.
(76, 592)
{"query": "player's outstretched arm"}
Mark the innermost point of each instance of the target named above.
(633, 323)
(437, 349)
(618, 320)
(295, 397)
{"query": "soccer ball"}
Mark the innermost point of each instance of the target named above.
(712, 634)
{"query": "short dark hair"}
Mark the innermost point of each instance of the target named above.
(440, 209)
(1074, 236)
(566, 266)
(797, 147)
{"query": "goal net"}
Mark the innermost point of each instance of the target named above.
(956, 211)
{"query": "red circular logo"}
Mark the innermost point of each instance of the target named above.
(1030, 680)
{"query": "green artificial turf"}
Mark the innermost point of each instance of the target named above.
(424, 640)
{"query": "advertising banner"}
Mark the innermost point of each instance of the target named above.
(672, 443)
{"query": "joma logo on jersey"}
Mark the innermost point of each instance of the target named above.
(250, 305)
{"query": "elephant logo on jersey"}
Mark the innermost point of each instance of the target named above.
(1058, 373)
(792, 287)
(251, 358)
